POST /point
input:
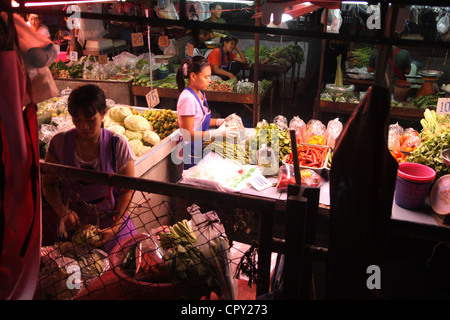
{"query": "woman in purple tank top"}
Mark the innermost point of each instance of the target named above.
(90, 146)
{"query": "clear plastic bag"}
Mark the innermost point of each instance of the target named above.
(299, 126)
(267, 161)
(286, 176)
(316, 132)
(394, 134)
(150, 263)
(234, 122)
(281, 122)
(409, 140)
(310, 178)
(334, 129)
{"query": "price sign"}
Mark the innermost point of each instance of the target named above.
(163, 41)
(443, 106)
(73, 55)
(189, 49)
(137, 40)
(152, 98)
(259, 182)
(102, 59)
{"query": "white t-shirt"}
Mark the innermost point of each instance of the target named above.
(42, 30)
(188, 105)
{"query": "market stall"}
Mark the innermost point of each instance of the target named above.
(152, 147)
(219, 91)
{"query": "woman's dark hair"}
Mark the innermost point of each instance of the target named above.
(195, 65)
(228, 38)
(88, 98)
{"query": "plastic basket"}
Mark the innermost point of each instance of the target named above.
(413, 184)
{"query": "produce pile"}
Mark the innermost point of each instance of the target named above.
(434, 137)
(163, 121)
(122, 67)
(319, 139)
(359, 57)
(142, 130)
(216, 85)
(87, 67)
(286, 55)
(60, 260)
(428, 101)
(191, 253)
(402, 142)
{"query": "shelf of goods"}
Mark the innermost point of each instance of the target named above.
(406, 111)
(230, 97)
(117, 90)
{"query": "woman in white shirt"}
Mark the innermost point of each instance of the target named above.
(35, 22)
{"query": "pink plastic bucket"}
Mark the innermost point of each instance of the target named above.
(413, 184)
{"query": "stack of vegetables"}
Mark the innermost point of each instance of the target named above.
(87, 67)
(359, 57)
(186, 253)
(434, 137)
(136, 128)
(59, 261)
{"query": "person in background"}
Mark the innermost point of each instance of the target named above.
(194, 115)
(35, 22)
(402, 63)
(224, 61)
(216, 12)
(89, 146)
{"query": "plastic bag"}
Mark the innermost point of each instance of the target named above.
(267, 161)
(443, 24)
(234, 122)
(394, 134)
(299, 126)
(150, 263)
(126, 59)
(212, 241)
(310, 178)
(281, 122)
(219, 173)
(171, 48)
(316, 132)
(286, 176)
(409, 140)
(334, 129)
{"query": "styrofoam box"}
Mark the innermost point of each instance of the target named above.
(119, 43)
(98, 44)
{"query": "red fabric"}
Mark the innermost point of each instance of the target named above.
(21, 233)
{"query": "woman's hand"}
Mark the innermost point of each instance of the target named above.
(68, 222)
(105, 235)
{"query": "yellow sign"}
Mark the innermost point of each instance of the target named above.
(137, 40)
(163, 41)
(102, 59)
(152, 98)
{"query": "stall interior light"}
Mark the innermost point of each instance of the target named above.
(55, 3)
(249, 2)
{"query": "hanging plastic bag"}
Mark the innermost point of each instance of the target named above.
(299, 126)
(334, 129)
(316, 132)
(394, 134)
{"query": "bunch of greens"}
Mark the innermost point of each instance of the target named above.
(250, 54)
(186, 262)
(428, 101)
(360, 57)
(435, 137)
